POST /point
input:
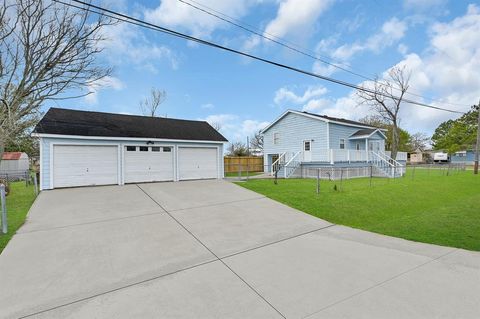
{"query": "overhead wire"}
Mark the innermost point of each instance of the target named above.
(135, 21)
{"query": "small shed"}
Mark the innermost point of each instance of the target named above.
(14, 162)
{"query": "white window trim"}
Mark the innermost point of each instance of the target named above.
(344, 143)
(275, 137)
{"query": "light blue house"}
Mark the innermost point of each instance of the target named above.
(301, 139)
(466, 157)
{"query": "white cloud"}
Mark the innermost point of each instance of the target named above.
(423, 5)
(108, 82)
(207, 106)
(127, 44)
(402, 48)
(234, 128)
(392, 31)
(447, 70)
(285, 95)
(296, 16)
(174, 13)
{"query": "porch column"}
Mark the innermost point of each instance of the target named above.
(366, 148)
(331, 156)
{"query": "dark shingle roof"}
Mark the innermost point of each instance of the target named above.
(86, 123)
(337, 119)
(366, 131)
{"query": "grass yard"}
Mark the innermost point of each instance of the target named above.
(18, 204)
(431, 207)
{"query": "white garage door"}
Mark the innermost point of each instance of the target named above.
(197, 162)
(148, 164)
(84, 165)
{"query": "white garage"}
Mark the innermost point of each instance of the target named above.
(197, 162)
(76, 165)
(83, 148)
(148, 164)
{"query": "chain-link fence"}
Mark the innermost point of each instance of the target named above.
(15, 176)
(242, 171)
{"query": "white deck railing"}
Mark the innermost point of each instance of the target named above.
(349, 156)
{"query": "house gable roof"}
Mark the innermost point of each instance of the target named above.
(323, 118)
(366, 133)
(98, 124)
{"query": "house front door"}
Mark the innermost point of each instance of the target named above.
(307, 151)
(374, 146)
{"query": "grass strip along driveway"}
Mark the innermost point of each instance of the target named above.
(428, 206)
(18, 203)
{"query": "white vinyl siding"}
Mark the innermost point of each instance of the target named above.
(152, 165)
(81, 165)
(197, 163)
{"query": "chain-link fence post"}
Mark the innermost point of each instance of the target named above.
(4, 209)
(318, 181)
(35, 183)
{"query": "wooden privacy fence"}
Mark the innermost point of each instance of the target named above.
(244, 163)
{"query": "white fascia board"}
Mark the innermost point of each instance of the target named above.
(109, 138)
(316, 118)
(367, 136)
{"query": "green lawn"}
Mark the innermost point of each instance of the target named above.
(18, 204)
(235, 174)
(431, 207)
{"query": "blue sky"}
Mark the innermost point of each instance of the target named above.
(437, 40)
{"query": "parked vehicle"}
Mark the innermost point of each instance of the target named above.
(440, 157)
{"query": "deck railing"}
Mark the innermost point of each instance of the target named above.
(349, 156)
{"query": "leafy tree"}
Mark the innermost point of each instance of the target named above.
(457, 135)
(23, 143)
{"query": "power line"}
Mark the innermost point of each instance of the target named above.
(148, 25)
(289, 45)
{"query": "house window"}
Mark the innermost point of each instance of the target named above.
(167, 149)
(143, 148)
(131, 148)
(155, 148)
(342, 143)
(358, 146)
(276, 137)
(306, 146)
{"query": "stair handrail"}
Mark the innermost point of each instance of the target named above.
(277, 163)
(290, 161)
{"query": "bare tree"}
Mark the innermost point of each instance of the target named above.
(419, 142)
(237, 149)
(47, 52)
(385, 98)
(150, 105)
(257, 141)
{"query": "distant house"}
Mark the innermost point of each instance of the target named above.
(301, 139)
(467, 157)
(14, 163)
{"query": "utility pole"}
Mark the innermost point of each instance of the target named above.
(477, 146)
(248, 146)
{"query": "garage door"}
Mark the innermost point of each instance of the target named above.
(82, 165)
(197, 163)
(148, 164)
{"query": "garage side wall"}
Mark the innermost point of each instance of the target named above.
(47, 143)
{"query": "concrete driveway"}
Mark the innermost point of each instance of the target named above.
(211, 249)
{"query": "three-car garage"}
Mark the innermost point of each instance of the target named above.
(157, 149)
